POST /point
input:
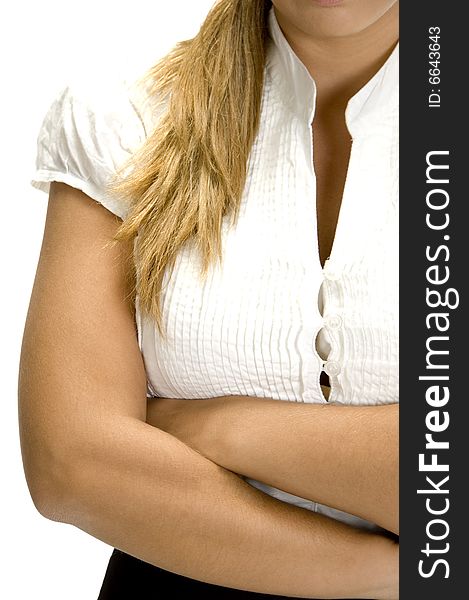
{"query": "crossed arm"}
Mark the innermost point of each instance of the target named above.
(92, 460)
(341, 456)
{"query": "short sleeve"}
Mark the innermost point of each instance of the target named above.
(87, 133)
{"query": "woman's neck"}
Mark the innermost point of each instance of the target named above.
(342, 66)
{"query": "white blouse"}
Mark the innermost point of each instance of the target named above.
(270, 319)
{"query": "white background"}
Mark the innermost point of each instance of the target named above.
(42, 46)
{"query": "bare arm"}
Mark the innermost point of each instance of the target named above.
(91, 460)
(341, 456)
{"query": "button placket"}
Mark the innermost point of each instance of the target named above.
(333, 323)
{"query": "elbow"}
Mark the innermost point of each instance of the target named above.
(45, 501)
(50, 483)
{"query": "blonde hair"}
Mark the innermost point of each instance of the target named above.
(191, 170)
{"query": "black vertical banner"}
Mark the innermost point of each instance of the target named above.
(434, 268)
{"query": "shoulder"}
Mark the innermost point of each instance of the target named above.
(100, 115)
(120, 107)
(92, 127)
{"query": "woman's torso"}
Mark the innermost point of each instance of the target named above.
(270, 319)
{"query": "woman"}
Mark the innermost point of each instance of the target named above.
(233, 163)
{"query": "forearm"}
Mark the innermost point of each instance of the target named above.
(145, 492)
(341, 456)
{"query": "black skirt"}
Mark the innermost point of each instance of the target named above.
(130, 578)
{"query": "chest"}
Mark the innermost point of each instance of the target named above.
(250, 327)
(331, 154)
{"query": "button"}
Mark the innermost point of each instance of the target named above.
(331, 273)
(333, 321)
(332, 368)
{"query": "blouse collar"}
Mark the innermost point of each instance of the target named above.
(297, 87)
